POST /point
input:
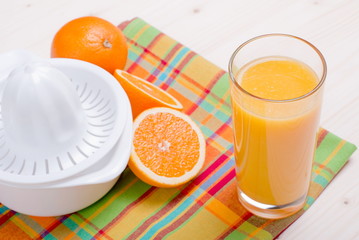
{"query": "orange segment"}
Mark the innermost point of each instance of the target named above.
(150, 89)
(168, 148)
(143, 94)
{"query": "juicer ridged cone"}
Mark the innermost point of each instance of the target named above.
(53, 125)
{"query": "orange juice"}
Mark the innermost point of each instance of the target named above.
(275, 139)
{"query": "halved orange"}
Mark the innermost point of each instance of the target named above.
(168, 148)
(143, 94)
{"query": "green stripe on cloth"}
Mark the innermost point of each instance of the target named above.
(323, 151)
(205, 208)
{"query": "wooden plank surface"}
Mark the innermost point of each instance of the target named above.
(214, 29)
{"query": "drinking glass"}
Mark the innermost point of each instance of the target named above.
(274, 139)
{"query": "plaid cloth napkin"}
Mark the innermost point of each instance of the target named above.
(205, 208)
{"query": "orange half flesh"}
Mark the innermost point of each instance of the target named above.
(168, 148)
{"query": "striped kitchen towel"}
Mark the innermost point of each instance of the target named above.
(205, 208)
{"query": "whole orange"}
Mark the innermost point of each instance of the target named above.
(91, 39)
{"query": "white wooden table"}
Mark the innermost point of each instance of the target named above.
(214, 29)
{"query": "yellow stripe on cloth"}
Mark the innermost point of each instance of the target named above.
(24, 226)
(331, 156)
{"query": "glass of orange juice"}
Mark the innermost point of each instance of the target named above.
(276, 94)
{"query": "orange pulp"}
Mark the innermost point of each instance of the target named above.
(275, 144)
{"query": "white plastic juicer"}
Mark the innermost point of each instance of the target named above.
(65, 133)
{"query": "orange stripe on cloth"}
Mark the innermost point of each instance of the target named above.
(321, 135)
(258, 229)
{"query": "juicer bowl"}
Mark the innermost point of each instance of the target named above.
(73, 194)
(65, 180)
